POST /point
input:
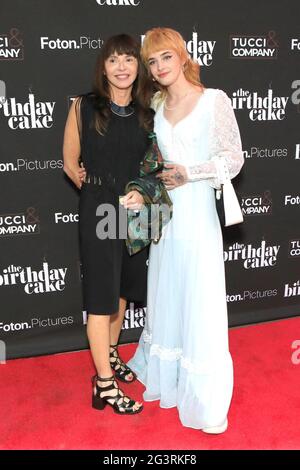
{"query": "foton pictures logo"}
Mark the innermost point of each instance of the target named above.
(61, 218)
(253, 47)
(265, 153)
(24, 164)
(11, 45)
(37, 323)
(83, 42)
(295, 44)
(292, 200)
(251, 295)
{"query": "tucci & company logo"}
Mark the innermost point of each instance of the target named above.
(254, 46)
(11, 45)
(24, 223)
(294, 249)
(257, 205)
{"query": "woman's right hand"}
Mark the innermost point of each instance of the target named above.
(77, 175)
(133, 200)
(81, 174)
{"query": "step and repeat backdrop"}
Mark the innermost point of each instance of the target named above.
(48, 50)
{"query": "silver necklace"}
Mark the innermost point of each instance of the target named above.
(122, 111)
(174, 107)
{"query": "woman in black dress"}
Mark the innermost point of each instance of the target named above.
(108, 129)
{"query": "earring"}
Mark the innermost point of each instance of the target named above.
(153, 79)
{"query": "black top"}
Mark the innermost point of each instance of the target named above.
(116, 155)
(107, 269)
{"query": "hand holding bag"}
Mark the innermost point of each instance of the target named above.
(227, 204)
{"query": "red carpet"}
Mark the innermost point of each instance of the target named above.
(46, 401)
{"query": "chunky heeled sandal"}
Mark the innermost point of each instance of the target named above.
(121, 369)
(120, 403)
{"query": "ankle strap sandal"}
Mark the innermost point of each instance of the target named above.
(120, 403)
(122, 371)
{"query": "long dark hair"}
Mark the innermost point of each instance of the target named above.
(142, 89)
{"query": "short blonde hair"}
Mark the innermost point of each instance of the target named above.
(158, 39)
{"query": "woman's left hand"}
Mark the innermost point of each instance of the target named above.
(174, 176)
(133, 200)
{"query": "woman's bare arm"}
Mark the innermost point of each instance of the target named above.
(72, 148)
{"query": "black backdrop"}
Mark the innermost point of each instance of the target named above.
(47, 55)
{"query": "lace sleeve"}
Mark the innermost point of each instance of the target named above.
(225, 154)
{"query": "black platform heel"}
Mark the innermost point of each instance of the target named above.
(119, 367)
(120, 403)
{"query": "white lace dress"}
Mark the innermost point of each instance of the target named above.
(183, 357)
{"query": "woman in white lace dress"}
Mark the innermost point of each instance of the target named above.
(183, 357)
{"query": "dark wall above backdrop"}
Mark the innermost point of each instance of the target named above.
(48, 51)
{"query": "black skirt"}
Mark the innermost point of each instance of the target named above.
(108, 271)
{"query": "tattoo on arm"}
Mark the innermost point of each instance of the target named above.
(178, 177)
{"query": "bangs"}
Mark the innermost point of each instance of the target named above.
(161, 39)
(121, 44)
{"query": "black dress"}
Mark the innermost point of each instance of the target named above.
(108, 271)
